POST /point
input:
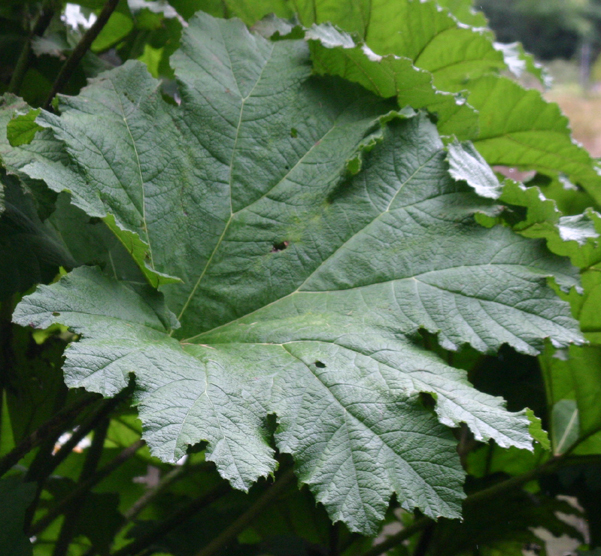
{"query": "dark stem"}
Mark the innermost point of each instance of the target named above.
(402, 535)
(424, 541)
(174, 521)
(334, 539)
(171, 477)
(86, 426)
(41, 24)
(217, 545)
(89, 467)
(40, 461)
(78, 53)
(48, 429)
(83, 488)
(48, 462)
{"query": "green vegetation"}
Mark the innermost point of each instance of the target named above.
(267, 292)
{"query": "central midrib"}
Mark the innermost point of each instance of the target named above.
(234, 213)
(231, 181)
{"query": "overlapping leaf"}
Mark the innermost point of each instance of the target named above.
(315, 232)
(516, 127)
(31, 250)
(336, 53)
(421, 31)
(519, 128)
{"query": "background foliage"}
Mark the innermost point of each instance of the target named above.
(351, 314)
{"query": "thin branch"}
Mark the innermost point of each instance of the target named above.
(72, 515)
(174, 521)
(40, 460)
(402, 535)
(84, 487)
(171, 477)
(149, 496)
(79, 51)
(47, 463)
(83, 430)
(217, 545)
(424, 541)
(37, 437)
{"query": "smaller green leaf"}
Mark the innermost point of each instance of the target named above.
(536, 430)
(574, 236)
(490, 459)
(117, 28)
(22, 129)
(574, 379)
(565, 425)
(152, 58)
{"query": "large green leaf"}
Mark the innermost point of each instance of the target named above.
(315, 233)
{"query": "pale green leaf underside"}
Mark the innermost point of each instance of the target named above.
(336, 53)
(517, 127)
(315, 233)
(421, 31)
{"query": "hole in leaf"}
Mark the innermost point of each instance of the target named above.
(427, 400)
(197, 448)
(320, 364)
(277, 247)
(55, 314)
(294, 133)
